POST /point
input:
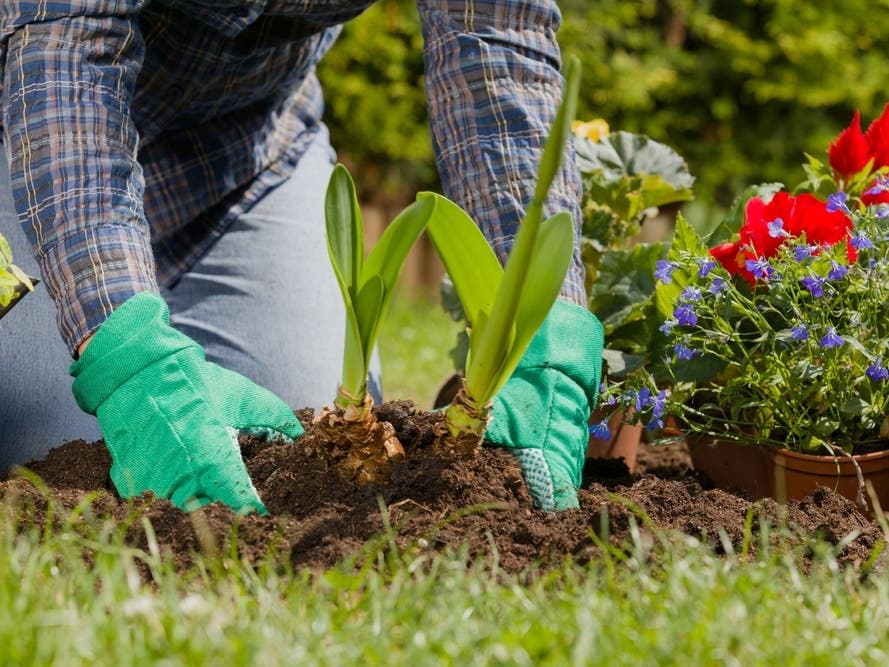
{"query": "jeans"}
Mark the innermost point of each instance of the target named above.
(263, 301)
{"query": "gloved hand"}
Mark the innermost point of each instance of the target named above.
(170, 418)
(541, 413)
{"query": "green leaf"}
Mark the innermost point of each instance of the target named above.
(549, 265)
(625, 283)
(686, 241)
(368, 313)
(387, 258)
(5, 252)
(466, 254)
(622, 154)
(554, 147)
(345, 231)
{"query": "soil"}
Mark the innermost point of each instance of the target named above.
(318, 519)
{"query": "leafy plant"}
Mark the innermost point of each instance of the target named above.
(626, 179)
(504, 306)
(14, 283)
(367, 285)
(776, 323)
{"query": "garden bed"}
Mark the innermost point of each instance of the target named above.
(434, 504)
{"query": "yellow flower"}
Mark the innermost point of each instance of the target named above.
(592, 129)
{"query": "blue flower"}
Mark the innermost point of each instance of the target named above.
(663, 271)
(860, 241)
(830, 339)
(655, 423)
(685, 315)
(684, 352)
(815, 285)
(759, 267)
(880, 185)
(803, 252)
(837, 271)
(837, 202)
(799, 332)
(690, 293)
(667, 327)
(776, 229)
(642, 398)
(707, 265)
(876, 371)
(659, 403)
(600, 431)
(717, 285)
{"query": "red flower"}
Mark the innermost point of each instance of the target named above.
(877, 137)
(767, 226)
(851, 150)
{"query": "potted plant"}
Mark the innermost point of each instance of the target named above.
(777, 331)
(14, 283)
(628, 180)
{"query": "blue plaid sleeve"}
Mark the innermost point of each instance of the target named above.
(493, 87)
(69, 75)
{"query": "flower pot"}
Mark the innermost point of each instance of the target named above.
(784, 475)
(730, 465)
(624, 441)
(794, 475)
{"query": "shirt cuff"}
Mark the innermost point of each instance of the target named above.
(92, 271)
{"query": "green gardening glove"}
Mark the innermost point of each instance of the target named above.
(171, 418)
(541, 413)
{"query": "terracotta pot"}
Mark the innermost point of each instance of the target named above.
(794, 475)
(624, 441)
(731, 466)
(784, 475)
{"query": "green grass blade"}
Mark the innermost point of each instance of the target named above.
(345, 231)
(466, 254)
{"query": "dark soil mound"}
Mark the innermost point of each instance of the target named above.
(318, 519)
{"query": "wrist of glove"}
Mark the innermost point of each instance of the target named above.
(541, 414)
(170, 418)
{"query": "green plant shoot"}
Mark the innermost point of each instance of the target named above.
(13, 281)
(505, 306)
(367, 284)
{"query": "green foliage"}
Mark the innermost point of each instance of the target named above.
(367, 284)
(375, 103)
(626, 177)
(14, 283)
(739, 88)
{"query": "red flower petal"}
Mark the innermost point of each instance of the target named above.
(877, 138)
(850, 151)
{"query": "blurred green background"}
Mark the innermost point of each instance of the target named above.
(740, 88)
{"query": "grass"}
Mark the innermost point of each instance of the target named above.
(654, 605)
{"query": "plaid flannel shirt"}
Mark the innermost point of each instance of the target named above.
(137, 130)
